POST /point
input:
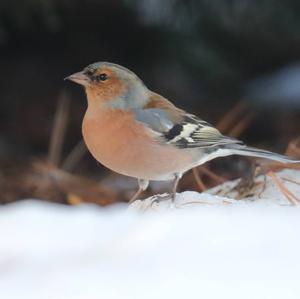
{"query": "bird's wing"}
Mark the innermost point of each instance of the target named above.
(178, 128)
(194, 132)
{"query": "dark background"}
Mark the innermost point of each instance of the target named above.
(206, 56)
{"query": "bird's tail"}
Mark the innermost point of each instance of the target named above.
(243, 150)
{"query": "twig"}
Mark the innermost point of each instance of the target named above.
(291, 181)
(287, 193)
(74, 156)
(228, 120)
(198, 180)
(293, 148)
(264, 185)
(240, 127)
(58, 130)
(219, 179)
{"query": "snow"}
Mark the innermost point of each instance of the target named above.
(221, 248)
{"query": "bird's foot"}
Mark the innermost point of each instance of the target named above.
(157, 199)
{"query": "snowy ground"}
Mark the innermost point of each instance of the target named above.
(265, 193)
(247, 249)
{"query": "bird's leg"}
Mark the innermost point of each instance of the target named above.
(172, 195)
(174, 189)
(143, 185)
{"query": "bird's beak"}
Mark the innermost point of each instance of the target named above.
(79, 78)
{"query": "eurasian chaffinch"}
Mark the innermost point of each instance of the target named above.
(138, 133)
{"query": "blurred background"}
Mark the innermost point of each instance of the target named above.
(234, 63)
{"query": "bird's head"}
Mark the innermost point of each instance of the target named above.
(112, 85)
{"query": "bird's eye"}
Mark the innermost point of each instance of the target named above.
(101, 77)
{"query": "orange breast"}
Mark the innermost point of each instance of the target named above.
(124, 146)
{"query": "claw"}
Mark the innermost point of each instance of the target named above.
(159, 198)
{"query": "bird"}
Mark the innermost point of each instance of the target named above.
(139, 133)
